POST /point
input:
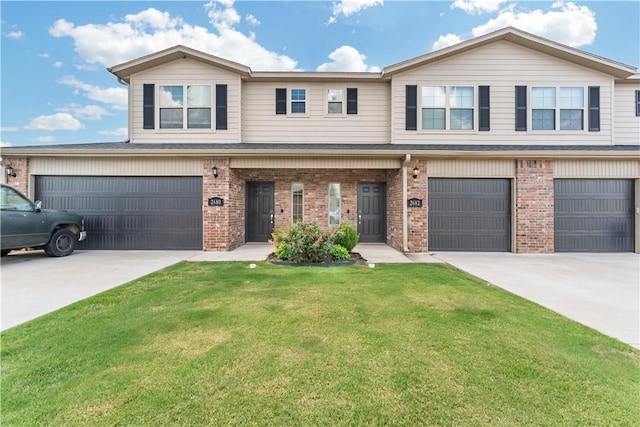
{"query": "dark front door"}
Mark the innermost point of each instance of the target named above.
(260, 205)
(372, 209)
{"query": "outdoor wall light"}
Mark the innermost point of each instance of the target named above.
(215, 171)
(416, 172)
(11, 171)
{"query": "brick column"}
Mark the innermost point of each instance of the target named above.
(395, 202)
(534, 206)
(417, 217)
(215, 219)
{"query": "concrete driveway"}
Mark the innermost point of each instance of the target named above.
(601, 291)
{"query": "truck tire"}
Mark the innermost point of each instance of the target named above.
(62, 243)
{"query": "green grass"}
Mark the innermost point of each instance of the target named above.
(401, 344)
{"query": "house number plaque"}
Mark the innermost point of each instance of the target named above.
(216, 201)
(414, 203)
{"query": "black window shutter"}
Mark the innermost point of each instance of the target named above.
(148, 107)
(352, 100)
(594, 108)
(483, 103)
(281, 101)
(521, 108)
(221, 107)
(638, 103)
(411, 102)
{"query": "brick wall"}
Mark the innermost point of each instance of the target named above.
(224, 226)
(395, 203)
(21, 168)
(534, 206)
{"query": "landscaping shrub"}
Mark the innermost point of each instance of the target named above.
(346, 236)
(309, 243)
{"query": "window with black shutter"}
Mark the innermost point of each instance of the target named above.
(281, 101)
(411, 103)
(352, 100)
(521, 108)
(594, 108)
(148, 106)
(483, 103)
(221, 107)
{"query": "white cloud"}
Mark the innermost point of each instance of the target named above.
(347, 58)
(48, 138)
(565, 23)
(151, 30)
(446, 41)
(44, 55)
(9, 129)
(477, 7)
(58, 64)
(115, 132)
(15, 35)
(350, 7)
(59, 121)
(90, 112)
(252, 20)
(117, 97)
(5, 144)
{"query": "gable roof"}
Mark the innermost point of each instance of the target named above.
(524, 39)
(125, 70)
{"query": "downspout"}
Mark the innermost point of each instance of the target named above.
(122, 82)
(405, 225)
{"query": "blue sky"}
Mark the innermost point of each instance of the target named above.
(55, 87)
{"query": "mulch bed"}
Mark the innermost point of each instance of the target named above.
(355, 258)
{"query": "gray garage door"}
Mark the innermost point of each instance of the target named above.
(594, 215)
(469, 215)
(130, 212)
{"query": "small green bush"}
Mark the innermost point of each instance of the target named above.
(340, 253)
(346, 236)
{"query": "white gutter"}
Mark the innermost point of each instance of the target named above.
(405, 226)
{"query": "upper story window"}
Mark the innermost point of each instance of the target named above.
(557, 108)
(298, 101)
(448, 108)
(335, 99)
(185, 106)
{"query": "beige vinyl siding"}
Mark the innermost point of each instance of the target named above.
(313, 163)
(627, 124)
(596, 169)
(471, 168)
(186, 71)
(502, 66)
(261, 124)
(116, 166)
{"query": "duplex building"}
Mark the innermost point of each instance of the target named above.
(506, 142)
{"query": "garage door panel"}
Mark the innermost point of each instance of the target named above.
(130, 212)
(594, 215)
(469, 214)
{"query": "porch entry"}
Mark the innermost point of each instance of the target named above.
(260, 206)
(372, 212)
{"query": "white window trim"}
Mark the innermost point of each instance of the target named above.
(447, 124)
(290, 101)
(557, 130)
(326, 101)
(185, 107)
(329, 204)
(292, 202)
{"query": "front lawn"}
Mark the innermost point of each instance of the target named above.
(401, 344)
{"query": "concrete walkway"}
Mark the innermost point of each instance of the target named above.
(601, 291)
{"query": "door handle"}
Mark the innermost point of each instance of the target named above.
(271, 218)
(359, 218)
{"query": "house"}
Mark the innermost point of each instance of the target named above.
(506, 142)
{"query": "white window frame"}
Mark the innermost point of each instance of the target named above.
(297, 186)
(185, 108)
(558, 108)
(290, 101)
(342, 101)
(448, 107)
(336, 217)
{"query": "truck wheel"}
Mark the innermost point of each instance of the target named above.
(63, 242)
(5, 252)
